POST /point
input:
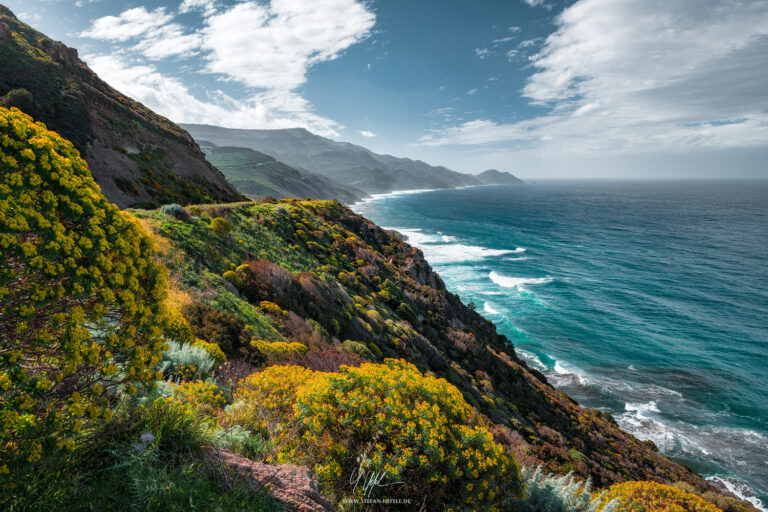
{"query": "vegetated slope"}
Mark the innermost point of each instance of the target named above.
(258, 175)
(494, 177)
(316, 273)
(341, 161)
(136, 156)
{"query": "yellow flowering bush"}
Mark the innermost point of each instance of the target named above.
(650, 496)
(277, 350)
(264, 400)
(81, 299)
(213, 350)
(412, 432)
(200, 394)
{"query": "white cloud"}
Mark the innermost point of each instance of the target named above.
(169, 97)
(631, 77)
(366, 133)
(129, 24)
(268, 47)
(538, 3)
(207, 7)
(482, 52)
(514, 29)
(472, 92)
(273, 45)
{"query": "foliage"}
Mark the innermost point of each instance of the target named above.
(213, 350)
(81, 299)
(175, 210)
(201, 394)
(550, 493)
(185, 362)
(221, 226)
(277, 350)
(238, 440)
(415, 430)
(264, 400)
(219, 327)
(646, 496)
(355, 347)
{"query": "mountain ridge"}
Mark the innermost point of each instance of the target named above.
(343, 162)
(135, 155)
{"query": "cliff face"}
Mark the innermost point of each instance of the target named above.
(136, 156)
(337, 276)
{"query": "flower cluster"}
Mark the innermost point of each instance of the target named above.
(411, 429)
(81, 299)
(642, 496)
(264, 401)
(201, 394)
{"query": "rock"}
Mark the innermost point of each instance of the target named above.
(294, 486)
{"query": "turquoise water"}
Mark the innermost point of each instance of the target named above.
(649, 300)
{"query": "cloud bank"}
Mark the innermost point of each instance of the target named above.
(637, 76)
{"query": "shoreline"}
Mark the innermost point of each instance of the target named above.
(643, 420)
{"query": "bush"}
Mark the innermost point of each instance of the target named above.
(641, 496)
(556, 494)
(278, 350)
(185, 362)
(238, 440)
(21, 99)
(176, 211)
(264, 401)
(213, 350)
(415, 430)
(355, 347)
(81, 298)
(201, 394)
(221, 226)
(224, 329)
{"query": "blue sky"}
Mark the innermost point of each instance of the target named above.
(542, 88)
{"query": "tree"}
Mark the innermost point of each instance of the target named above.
(81, 298)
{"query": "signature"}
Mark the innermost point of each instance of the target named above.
(369, 481)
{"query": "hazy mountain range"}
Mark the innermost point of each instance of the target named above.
(343, 162)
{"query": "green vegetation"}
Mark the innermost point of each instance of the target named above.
(82, 299)
(116, 373)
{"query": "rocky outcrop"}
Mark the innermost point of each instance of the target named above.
(137, 157)
(293, 486)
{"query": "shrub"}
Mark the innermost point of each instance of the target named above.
(415, 430)
(21, 99)
(356, 347)
(81, 298)
(221, 226)
(641, 496)
(224, 329)
(213, 350)
(176, 211)
(201, 394)
(277, 350)
(185, 362)
(550, 493)
(264, 401)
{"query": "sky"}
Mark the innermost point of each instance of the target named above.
(636, 89)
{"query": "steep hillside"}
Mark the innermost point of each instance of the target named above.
(136, 156)
(314, 272)
(340, 161)
(258, 175)
(494, 177)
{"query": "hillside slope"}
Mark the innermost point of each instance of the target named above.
(340, 161)
(136, 156)
(257, 175)
(494, 177)
(350, 291)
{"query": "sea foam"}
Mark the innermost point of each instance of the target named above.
(517, 282)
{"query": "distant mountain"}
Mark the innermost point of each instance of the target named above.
(341, 161)
(137, 157)
(494, 177)
(255, 174)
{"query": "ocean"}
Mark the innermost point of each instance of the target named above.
(645, 299)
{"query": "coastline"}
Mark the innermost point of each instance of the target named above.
(641, 417)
